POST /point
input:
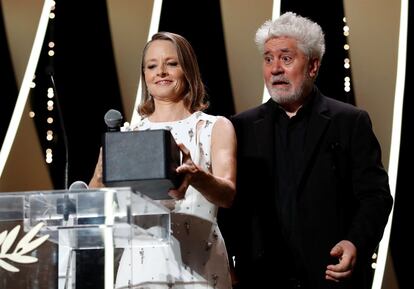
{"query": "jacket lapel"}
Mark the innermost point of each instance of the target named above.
(318, 123)
(264, 132)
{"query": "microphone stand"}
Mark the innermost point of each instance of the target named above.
(66, 205)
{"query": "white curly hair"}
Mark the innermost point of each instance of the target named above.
(310, 37)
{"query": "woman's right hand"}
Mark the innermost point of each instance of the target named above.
(97, 179)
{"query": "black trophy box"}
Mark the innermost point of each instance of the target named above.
(143, 160)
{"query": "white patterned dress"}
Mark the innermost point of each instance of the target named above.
(196, 257)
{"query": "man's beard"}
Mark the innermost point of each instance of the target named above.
(279, 94)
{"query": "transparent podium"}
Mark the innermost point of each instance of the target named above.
(75, 239)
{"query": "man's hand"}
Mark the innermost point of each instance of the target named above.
(346, 253)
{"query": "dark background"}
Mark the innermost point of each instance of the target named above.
(87, 87)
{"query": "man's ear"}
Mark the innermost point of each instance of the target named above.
(314, 65)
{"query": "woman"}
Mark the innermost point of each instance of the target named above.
(174, 98)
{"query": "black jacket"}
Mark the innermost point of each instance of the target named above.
(343, 193)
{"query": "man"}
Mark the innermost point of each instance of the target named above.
(313, 197)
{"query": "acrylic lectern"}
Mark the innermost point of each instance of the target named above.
(73, 239)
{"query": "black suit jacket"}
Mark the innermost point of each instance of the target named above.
(343, 193)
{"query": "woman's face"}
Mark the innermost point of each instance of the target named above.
(163, 73)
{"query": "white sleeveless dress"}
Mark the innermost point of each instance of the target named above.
(197, 256)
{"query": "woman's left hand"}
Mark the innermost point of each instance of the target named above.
(218, 186)
(188, 169)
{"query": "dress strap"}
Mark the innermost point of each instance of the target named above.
(204, 127)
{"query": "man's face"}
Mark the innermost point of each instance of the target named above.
(287, 71)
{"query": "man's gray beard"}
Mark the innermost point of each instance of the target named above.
(281, 98)
(294, 97)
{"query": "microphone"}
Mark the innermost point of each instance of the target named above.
(78, 185)
(62, 127)
(113, 120)
(66, 205)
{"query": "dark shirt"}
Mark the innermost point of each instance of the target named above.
(290, 135)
